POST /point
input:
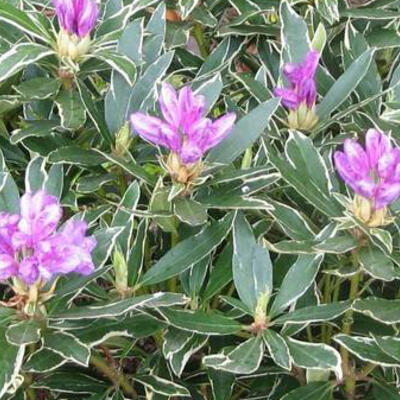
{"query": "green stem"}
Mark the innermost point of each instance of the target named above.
(198, 34)
(327, 292)
(118, 378)
(350, 382)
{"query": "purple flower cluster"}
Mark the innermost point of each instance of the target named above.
(30, 247)
(302, 88)
(373, 173)
(77, 17)
(184, 130)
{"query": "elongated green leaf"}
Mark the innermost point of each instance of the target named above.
(23, 21)
(366, 349)
(383, 310)
(119, 62)
(343, 87)
(375, 262)
(201, 322)
(71, 110)
(252, 267)
(121, 307)
(9, 196)
(188, 252)
(389, 345)
(315, 356)
(11, 358)
(303, 168)
(311, 391)
(24, 332)
(244, 359)
(44, 360)
(294, 34)
(244, 133)
(19, 56)
(278, 349)
(162, 386)
(68, 346)
(322, 312)
(298, 279)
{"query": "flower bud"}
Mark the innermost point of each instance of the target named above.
(180, 172)
(121, 272)
(71, 45)
(123, 141)
(303, 118)
(364, 210)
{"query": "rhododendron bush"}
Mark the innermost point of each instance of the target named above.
(199, 199)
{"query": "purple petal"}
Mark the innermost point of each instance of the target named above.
(220, 129)
(311, 62)
(171, 137)
(86, 17)
(29, 270)
(344, 168)
(376, 144)
(387, 163)
(190, 152)
(8, 267)
(192, 107)
(289, 98)
(169, 105)
(357, 157)
(149, 128)
(387, 194)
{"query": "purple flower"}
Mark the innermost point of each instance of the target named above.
(77, 17)
(31, 248)
(184, 129)
(302, 87)
(373, 173)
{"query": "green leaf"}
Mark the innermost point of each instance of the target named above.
(311, 391)
(19, 56)
(70, 109)
(9, 196)
(382, 310)
(54, 181)
(221, 273)
(389, 345)
(291, 221)
(119, 62)
(221, 384)
(366, 349)
(321, 312)
(189, 211)
(33, 129)
(11, 358)
(162, 386)
(23, 20)
(244, 133)
(294, 34)
(211, 90)
(124, 218)
(346, 83)
(201, 322)
(244, 359)
(315, 356)
(278, 349)
(40, 88)
(24, 332)
(382, 390)
(68, 346)
(303, 168)
(120, 307)
(76, 155)
(133, 326)
(94, 113)
(67, 382)
(328, 10)
(297, 280)
(44, 360)
(35, 174)
(251, 264)
(376, 263)
(188, 252)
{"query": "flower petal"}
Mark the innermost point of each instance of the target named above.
(376, 144)
(357, 157)
(169, 104)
